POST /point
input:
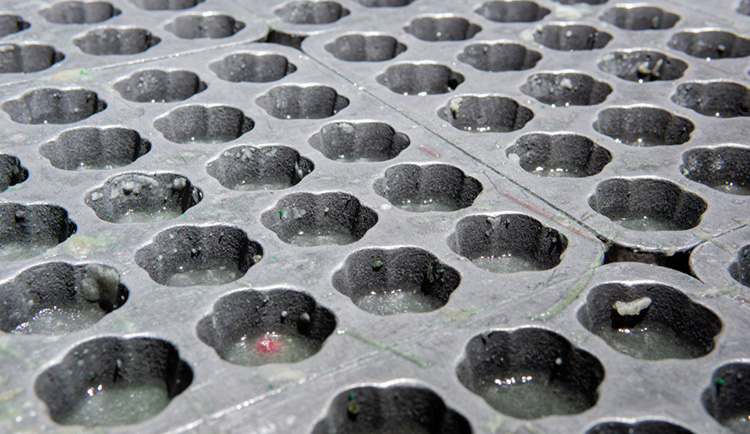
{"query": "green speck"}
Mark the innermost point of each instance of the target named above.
(281, 213)
(441, 271)
(92, 377)
(270, 386)
(720, 382)
(377, 265)
(83, 72)
(351, 396)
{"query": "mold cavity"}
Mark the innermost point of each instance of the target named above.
(296, 102)
(11, 172)
(649, 321)
(311, 12)
(432, 187)
(91, 148)
(642, 66)
(420, 79)
(253, 328)
(391, 281)
(640, 18)
(744, 7)
(384, 3)
(512, 11)
(76, 12)
(565, 89)
(483, 114)
(723, 168)
(307, 219)
(117, 41)
(530, 373)
(27, 57)
(196, 123)
(740, 268)
(643, 427)
(727, 397)
(212, 26)
(54, 106)
(442, 29)
(499, 57)
(160, 86)
(252, 68)
(647, 204)
(10, 24)
(678, 261)
(571, 37)
(507, 243)
(716, 99)
(559, 155)
(260, 168)
(113, 381)
(359, 141)
(283, 38)
(391, 409)
(141, 197)
(199, 255)
(166, 5)
(643, 126)
(59, 298)
(710, 44)
(365, 48)
(30, 230)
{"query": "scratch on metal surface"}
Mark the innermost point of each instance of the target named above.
(573, 292)
(7, 396)
(383, 347)
(705, 236)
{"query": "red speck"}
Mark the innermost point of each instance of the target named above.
(268, 344)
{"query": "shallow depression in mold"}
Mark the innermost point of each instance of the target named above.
(442, 28)
(642, 427)
(649, 321)
(59, 298)
(253, 327)
(483, 114)
(77, 12)
(210, 25)
(307, 219)
(311, 12)
(530, 373)
(678, 261)
(25, 58)
(116, 41)
(359, 141)
(642, 66)
(723, 168)
(564, 89)
(398, 280)
(507, 243)
(420, 79)
(365, 48)
(648, 204)
(384, 3)
(10, 24)
(503, 56)
(640, 18)
(727, 397)
(54, 106)
(285, 38)
(571, 37)
(719, 99)
(395, 408)
(739, 269)
(30, 230)
(166, 5)
(643, 126)
(92, 148)
(160, 86)
(512, 11)
(559, 155)
(252, 68)
(302, 102)
(203, 124)
(710, 44)
(11, 172)
(112, 381)
(270, 167)
(431, 187)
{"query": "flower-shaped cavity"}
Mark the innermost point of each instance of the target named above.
(566, 88)
(27, 57)
(197, 123)
(365, 47)
(11, 172)
(727, 397)
(160, 86)
(530, 373)
(307, 219)
(384, 3)
(271, 167)
(559, 155)
(199, 255)
(642, 427)
(444, 28)
(642, 66)
(389, 409)
(631, 17)
(570, 37)
(212, 26)
(648, 204)
(116, 41)
(719, 99)
(740, 268)
(253, 328)
(166, 5)
(399, 280)
(77, 12)
(302, 102)
(502, 56)
(710, 44)
(112, 381)
(431, 187)
(11, 24)
(311, 12)
(30, 230)
(483, 114)
(420, 79)
(507, 243)
(54, 106)
(723, 168)
(88, 148)
(643, 126)
(59, 298)
(359, 141)
(512, 11)
(252, 68)
(649, 321)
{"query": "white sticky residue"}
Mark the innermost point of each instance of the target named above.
(631, 308)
